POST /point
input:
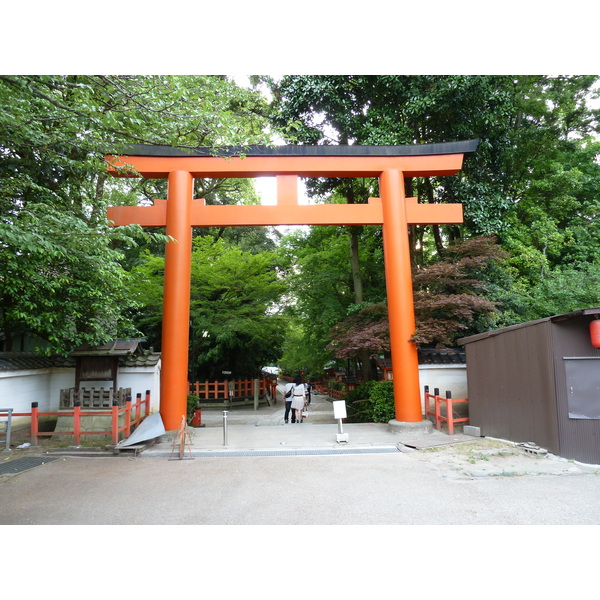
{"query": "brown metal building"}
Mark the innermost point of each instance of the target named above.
(538, 381)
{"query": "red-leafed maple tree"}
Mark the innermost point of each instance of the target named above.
(450, 297)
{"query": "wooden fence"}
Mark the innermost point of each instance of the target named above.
(93, 397)
(323, 388)
(234, 391)
(131, 413)
(450, 416)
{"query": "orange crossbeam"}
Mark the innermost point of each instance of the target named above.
(286, 214)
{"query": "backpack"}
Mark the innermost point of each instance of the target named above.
(289, 393)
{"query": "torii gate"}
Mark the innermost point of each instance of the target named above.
(180, 212)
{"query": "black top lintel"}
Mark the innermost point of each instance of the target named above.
(461, 147)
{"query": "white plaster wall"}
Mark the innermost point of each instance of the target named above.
(18, 389)
(140, 380)
(61, 379)
(444, 377)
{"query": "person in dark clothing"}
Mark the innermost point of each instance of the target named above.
(289, 388)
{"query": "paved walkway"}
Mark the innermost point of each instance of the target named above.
(250, 430)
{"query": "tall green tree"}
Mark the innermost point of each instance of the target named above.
(398, 110)
(533, 181)
(316, 262)
(553, 223)
(236, 320)
(61, 265)
(450, 301)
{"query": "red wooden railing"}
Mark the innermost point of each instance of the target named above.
(132, 418)
(323, 388)
(336, 394)
(240, 388)
(451, 417)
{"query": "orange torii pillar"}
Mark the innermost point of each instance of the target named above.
(179, 213)
(176, 300)
(398, 281)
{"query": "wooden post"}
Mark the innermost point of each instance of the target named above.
(77, 422)
(115, 422)
(438, 407)
(35, 427)
(138, 408)
(128, 416)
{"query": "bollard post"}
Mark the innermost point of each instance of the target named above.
(224, 428)
(9, 412)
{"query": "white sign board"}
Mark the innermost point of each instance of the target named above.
(339, 409)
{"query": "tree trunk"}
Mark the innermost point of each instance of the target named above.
(363, 356)
(412, 231)
(355, 265)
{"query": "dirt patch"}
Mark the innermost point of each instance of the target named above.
(496, 458)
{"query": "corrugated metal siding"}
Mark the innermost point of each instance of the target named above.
(511, 386)
(579, 438)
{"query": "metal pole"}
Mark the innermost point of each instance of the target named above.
(9, 412)
(224, 428)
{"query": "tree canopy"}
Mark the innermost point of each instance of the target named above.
(528, 247)
(532, 183)
(236, 323)
(62, 271)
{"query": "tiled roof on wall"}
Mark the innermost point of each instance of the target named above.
(434, 356)
(443, 356)
(140, 360)
(25, 361)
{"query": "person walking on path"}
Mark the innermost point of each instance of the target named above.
(299, 393)
(288, 389)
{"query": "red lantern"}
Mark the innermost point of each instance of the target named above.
(595, 332)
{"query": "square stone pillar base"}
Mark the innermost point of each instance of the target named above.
(418, 428)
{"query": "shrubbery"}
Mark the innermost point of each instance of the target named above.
(193, 402)
(371, 402)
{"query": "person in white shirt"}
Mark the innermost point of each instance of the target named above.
(298, 399)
